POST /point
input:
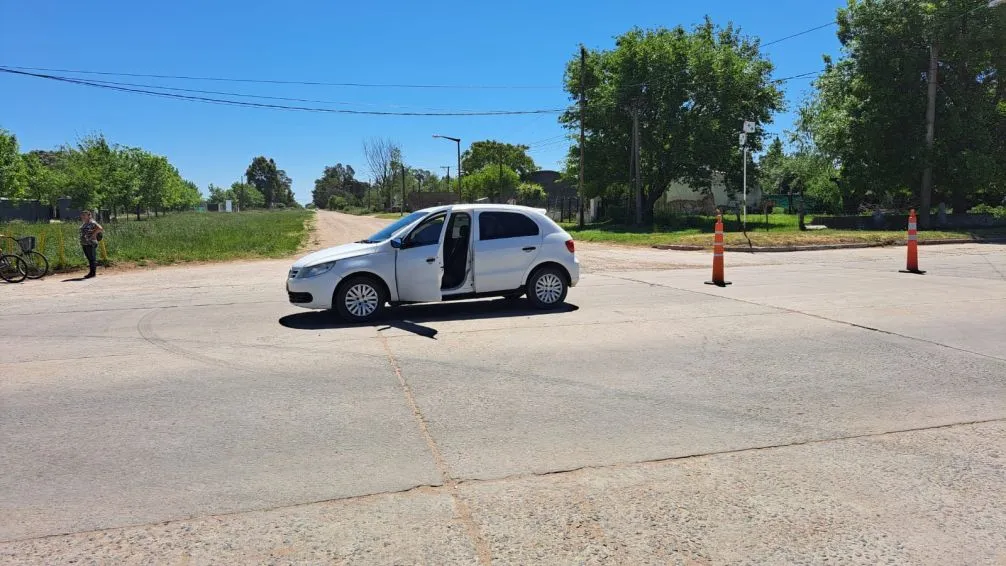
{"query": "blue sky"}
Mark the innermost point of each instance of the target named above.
(457, 43)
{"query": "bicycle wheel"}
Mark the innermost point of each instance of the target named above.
(36, 265)
(12, 269)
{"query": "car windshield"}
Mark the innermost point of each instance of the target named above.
(390, 230)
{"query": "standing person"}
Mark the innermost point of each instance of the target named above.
(89, 230)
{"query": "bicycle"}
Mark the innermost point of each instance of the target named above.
(36, 265)
(12, 268)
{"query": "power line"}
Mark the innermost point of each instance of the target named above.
(265, 97)
(283, 82)
(807, 75)
(798, 34)
(275, 106)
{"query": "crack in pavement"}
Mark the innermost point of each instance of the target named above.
(817, 316)
(456, 483)
(461, 507)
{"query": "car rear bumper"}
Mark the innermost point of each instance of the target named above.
(574, 272)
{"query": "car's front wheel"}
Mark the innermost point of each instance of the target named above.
(547, 288)
(359, 299)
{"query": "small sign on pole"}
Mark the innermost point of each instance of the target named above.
(743, 140)
(749, 127)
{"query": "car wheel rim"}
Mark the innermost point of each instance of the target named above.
(361, 300)
(548, 288)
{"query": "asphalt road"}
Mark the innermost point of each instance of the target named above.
(822, 407)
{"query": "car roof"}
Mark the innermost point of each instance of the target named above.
(483, 206)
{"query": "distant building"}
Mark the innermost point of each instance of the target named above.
(421, 200)
(552, 182)
(683, 198)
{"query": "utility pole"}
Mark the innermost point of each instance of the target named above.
(749, 128)
(583, 97)
(635, 152)
(499, 157)
(745, 197)
(927, 175)
(402, 210)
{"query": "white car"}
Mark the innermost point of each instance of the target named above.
(444, 253)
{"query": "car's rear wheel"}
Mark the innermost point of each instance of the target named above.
(359, 299)
(547, 288)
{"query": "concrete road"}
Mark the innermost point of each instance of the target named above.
(823, 407)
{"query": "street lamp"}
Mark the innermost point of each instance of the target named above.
(457, 141)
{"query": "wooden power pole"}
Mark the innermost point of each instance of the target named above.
(927, 175)
(583, 97)
(635, 161)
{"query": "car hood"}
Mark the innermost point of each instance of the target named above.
(338, 252)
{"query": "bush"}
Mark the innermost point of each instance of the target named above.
(996, 211)
(530, 192)
(337, 202)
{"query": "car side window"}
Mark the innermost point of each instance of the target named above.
(427, 233)
(500, 225)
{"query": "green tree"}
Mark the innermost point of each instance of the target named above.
(264, 176)
(490, 181)
(490, 152)
(247, 196)
(337, 180)
(692, 90)
(219, 195)
(868, 112)
(13, 174)
(771, 168)
(531, 192)
(46, 180)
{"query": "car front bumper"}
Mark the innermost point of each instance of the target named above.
(313, 293)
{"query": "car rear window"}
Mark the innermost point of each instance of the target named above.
(499, 225)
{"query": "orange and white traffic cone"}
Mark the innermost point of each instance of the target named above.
(718, 279)
(913, 245)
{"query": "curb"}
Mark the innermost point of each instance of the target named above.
(820, 247)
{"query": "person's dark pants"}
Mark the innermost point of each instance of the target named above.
(91, 251)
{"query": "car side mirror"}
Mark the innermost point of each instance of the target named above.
(396, 243)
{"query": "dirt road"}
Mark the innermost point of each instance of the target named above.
(336, 228)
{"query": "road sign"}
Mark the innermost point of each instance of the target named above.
(749, 127)
(743, 140)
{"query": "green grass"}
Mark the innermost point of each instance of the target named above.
(388, 215)
(780, 231)
(178, 237)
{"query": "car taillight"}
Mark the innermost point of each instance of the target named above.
(571, 246)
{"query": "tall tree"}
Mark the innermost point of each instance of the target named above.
(692, 91)
(491, 152)
(13, 175)
(264, 176)
(45, 177)
(285, 188)
(247, 196)
(490, 181)
(382, 155)
(337, 180)
(868, 113)
(770, 168)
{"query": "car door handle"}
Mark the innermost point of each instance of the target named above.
(530, 248)
(431, 259)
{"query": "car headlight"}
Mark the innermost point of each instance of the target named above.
(316, 270)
